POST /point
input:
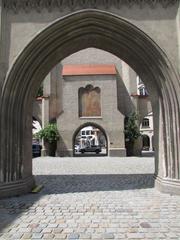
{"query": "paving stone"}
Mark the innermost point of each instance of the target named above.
(171, 235)
(57, 230)
(104, 206)
(135, 235)
(68, 230)
(14, 236)
(145, 225)
(96, 236)
(37, 235)
(48, 236)
(73, 236)
(60, 236)
(47, 230)
(119, 236)
(108, 236)
(85, 236)
(37, 230)
(27, 236)
(52, 225)
(150, 235)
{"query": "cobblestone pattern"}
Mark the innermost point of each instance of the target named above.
(98, 206)
(93, 165)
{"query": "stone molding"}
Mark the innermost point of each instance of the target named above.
(167, 185)
(16, 188)
(39, 5)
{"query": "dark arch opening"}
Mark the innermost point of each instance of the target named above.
(146, 142)
(88, 28)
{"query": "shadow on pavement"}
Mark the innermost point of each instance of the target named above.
(97, 182)
(147, 154)
(90, 155)
(12, 208)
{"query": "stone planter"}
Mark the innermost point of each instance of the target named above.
(51, 148)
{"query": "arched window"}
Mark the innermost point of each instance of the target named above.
(89, 101)
(145, 122)
(146, 142)
(143, 91)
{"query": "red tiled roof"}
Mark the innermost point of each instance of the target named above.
(85, 69)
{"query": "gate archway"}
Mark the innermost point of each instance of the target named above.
(94, 125)
(83, 29)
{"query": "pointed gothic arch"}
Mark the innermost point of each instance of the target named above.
(69, 34)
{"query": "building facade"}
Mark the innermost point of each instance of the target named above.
(90, 97)
(97, 88)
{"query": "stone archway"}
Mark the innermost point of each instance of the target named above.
(87, 28)
(93, 125)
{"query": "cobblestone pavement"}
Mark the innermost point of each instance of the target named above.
(92, 198)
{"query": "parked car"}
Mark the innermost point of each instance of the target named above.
(36, 150)
(92, 148)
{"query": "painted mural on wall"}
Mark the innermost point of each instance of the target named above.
(89, 101)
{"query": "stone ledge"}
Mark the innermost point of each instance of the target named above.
(117, 152)
(17, 187)
(167, 185)
(38, 5)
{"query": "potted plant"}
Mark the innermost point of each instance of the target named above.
(50, 135)
(131, 132)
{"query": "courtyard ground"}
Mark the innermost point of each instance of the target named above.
(92, 198)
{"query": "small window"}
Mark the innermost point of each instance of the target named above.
(88, 132)
(143, 91)
(145, 122)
